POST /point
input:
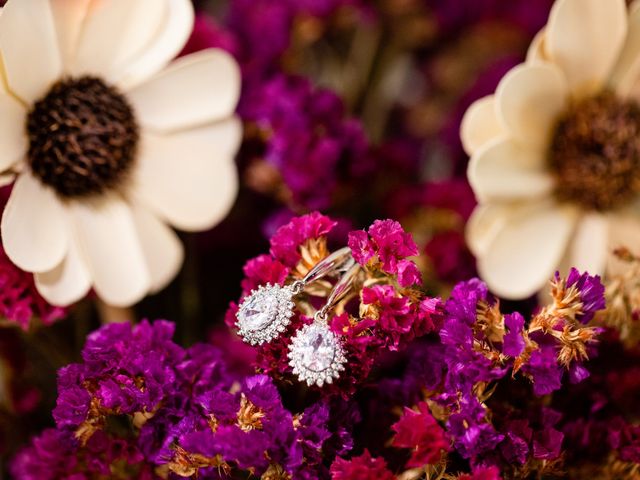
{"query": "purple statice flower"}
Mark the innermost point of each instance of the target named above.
(126, 370)
(20, 302)
(517, 438)
(286, 242)
(253, 21)
(591, 292)
(139, 403)
(625, 438)
(55, 454)
(513, 342)
(389, 245)
(473, 435)
(254, 430)
(543, 369)
(309, 139)
(547, 441)
(49, 456)
(363, 467)
(463, 301)
(420, 432)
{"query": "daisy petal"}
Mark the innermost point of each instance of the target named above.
(584, 38)
(485, 223)
(529, 99)
(589, 249)
(627, 70)
(169, 41)
(162, 248)
(68, 16)
(524, 254)
(538, 48)
(34, 226)
(505, 170)
(194, 90)
(193, 191)
(109, 243)
(68, 283)
(29, 48)
(13, 139)
(99, 51)
(480, 124)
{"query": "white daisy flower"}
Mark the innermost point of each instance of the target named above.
(555, 153)
(108, 143)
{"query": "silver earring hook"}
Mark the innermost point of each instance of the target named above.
(338, 261)
(339, 291)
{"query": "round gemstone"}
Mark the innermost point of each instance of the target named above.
(258, 312)
(83, 137)
(317, 348)
(595, 153)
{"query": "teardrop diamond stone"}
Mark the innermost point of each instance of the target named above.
(265, 313)
(316, 354)
(317, 348)
(258, 312)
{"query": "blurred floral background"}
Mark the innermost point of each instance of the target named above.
(353, 108)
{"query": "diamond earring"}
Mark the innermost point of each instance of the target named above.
(315, 353)
(266, 312)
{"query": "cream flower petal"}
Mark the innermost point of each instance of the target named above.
(13, 138)
(29, 48)
(189, 178)
(68, 16)
(526, 251)
(34, 226)
(489, 219)
(626, 72)
(68, 283)
(109, 242)
(194, 90)
(537, 51)
(100, 50)
(162, 248)
(589, 249)
(584, 38)
(173, 35)
(486, 222)
(529, 99)
(480, 124)
(505, 170)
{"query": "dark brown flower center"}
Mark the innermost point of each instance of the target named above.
(595, 153)
(83, 137)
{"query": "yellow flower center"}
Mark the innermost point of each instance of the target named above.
(83, 137)
(595, 153)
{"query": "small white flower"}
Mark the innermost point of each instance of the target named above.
(555, 153)
(108, 142)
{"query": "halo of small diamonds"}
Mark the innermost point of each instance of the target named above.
(316, 355)
(265, 313)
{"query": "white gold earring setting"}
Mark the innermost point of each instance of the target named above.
(316, 353)
(266, 312)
